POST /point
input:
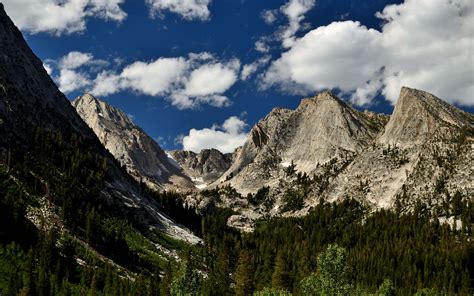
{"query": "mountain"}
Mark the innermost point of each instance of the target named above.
(204, 167)
(131, 146)
(419, 114)
(50, 152)
(320, 129)
(327, 150)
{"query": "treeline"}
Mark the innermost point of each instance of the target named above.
(414, 251)
(76, 241)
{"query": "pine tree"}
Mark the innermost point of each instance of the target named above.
(244, 274)
(280, 277)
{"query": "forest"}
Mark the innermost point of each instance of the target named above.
(341, 248)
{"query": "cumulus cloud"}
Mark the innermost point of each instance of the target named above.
(75, 59)
(187, 82)
(262, 46)
(225, 138)
(154, 78)
(74, 70)
(269, 16)
(70, 80)
(48, 68)
(424, 44)
(61, 17)
(249, 69)
(187, 9)
(294, 10)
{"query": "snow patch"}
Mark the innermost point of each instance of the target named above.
(173, 162)
(197, 180)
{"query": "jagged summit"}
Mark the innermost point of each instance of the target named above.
(203, 167)
(130, 145)
(417, 115)
(320, 128)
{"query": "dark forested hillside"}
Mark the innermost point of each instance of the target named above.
(86, 245)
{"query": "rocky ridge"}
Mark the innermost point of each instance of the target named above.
(29, 100)
(326, 150)
(204, 167)
(131, 146)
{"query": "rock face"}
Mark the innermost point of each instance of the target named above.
(326, 150)
(204, 167)
(417, 115)
(29, 100)
(318, 130)
(33, 98)
(130, 145)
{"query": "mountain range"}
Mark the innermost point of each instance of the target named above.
(323, 150)
(91, 204)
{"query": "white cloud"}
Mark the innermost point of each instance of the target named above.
(188, 9)
(106, 83)
(48, 68)
(211, 79)
(261, 46)
(294, 10)
(426, 44)
(155, 78)
(70, 80)
(224, 138)
(249, 69)
(269, 16)
(74, 70)
(342, 54)
(187, 82)
(61, 17)
(75, 59)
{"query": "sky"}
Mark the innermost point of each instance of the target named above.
(199, 74)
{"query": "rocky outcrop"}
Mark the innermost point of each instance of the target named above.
(320, 129)
(29, 100)
(131, 146)
(417, 115)
(203, 167)
(326, 150)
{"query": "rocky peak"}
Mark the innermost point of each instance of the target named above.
(317, 131)
(25, 86)
(203, 167)
(417, 115)
(130, 145)
(29, 100)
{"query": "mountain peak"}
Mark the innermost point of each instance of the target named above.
(130, 145)
(418, 114)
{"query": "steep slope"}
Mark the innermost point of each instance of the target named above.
(425, 152)
(44, 139)
(325, 150)
(130, 145)
(419, 114)
(320, 129)
(203, 167)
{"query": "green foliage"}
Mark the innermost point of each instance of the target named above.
(332, 277)
(386, 288)
(186, 282)
(272, 292)
(428, 292)
(292, 200)
(244, 274)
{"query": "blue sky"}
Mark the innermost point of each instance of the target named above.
(356, 48)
